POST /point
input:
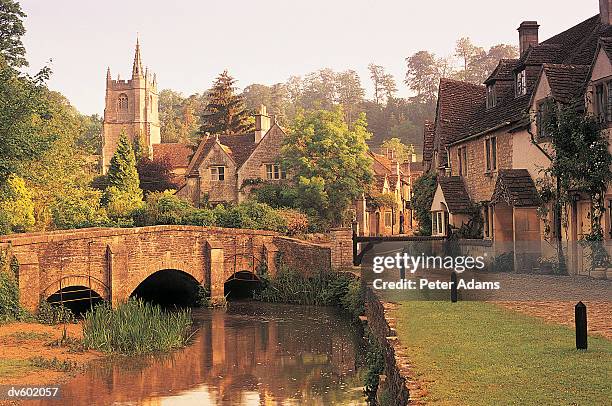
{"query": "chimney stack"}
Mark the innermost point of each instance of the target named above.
(605, 11)
(528, 34)
(262, 123)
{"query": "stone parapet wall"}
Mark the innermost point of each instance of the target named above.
(304, 257)
(394, 381)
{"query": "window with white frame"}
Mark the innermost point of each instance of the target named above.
(438, 222)
(217, 173)
(491, 153)
(491, 99)
(521, 83)
(275, 172)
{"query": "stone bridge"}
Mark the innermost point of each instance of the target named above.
(113, 262)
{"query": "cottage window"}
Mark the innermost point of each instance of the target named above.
(217, 173)
(462, 160)
(275, 172)
(601, 105)
(388, 219)
(491, 99)
(439, 219)
(542, 118)
(521, 83)
(491, 153)
(487, 215)
(123, 101)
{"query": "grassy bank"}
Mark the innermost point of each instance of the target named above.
(471, 353)
(136, 327)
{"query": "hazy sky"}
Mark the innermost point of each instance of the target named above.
(188, 43)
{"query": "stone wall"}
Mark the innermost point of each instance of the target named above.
(480, 185)
(393, 382)
(302, 256)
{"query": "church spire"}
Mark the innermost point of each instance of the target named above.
(137, 68)
(108, 74)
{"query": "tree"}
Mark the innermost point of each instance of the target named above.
(141, 149)
(349, 94)
(11, 31)
(384, 84)
(478, 64)
(468, 53)
(402, 152)
(319, 90)
(22, 101)
(65, 167)
(423, 75)
(322, 148)
(422, 198)
(123, 194)
(16, 204)
(225, 112)
(155, 175)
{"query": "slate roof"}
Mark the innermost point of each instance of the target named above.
(455, 194)
(566, 81)
(240, 146)
(574, 49)
(457, 102)
(516, 188)
(504, 70)
(177, 154)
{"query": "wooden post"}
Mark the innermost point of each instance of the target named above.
(453, 287)
(581, 326)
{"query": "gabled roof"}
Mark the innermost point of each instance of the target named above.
(574, 47)
(455, 194)
(516, 188)
(457, 103)
(239, 147)
(606, 44)
(177, 154)
(503, 71)
(567, 82)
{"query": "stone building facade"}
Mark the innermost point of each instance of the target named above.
(488, 139)
(224, 168)
(131, 106)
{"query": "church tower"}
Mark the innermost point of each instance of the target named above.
(131, 106)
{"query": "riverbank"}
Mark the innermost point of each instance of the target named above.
(35, 354)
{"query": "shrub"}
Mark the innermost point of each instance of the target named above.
(17, 205)
(250, 214)
(10, 308)
(136, 327)
(423, 194)
(322, 289)
(79, 209)
(296, 221)
(51, 315)
(277, 195)
(200, 217)
(120, 203)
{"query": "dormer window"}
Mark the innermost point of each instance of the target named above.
(521, 83)
(490, 96)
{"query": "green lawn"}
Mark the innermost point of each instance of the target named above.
(473, 353)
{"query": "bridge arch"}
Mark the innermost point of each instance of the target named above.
(169, 287)
(76, 292)
(241, 285)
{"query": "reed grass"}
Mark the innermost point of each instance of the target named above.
(136, 327)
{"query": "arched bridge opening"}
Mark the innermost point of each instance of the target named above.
(169, 288)
(241, 285)
(79, 299)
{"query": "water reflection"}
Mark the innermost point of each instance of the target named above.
(251, 354)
